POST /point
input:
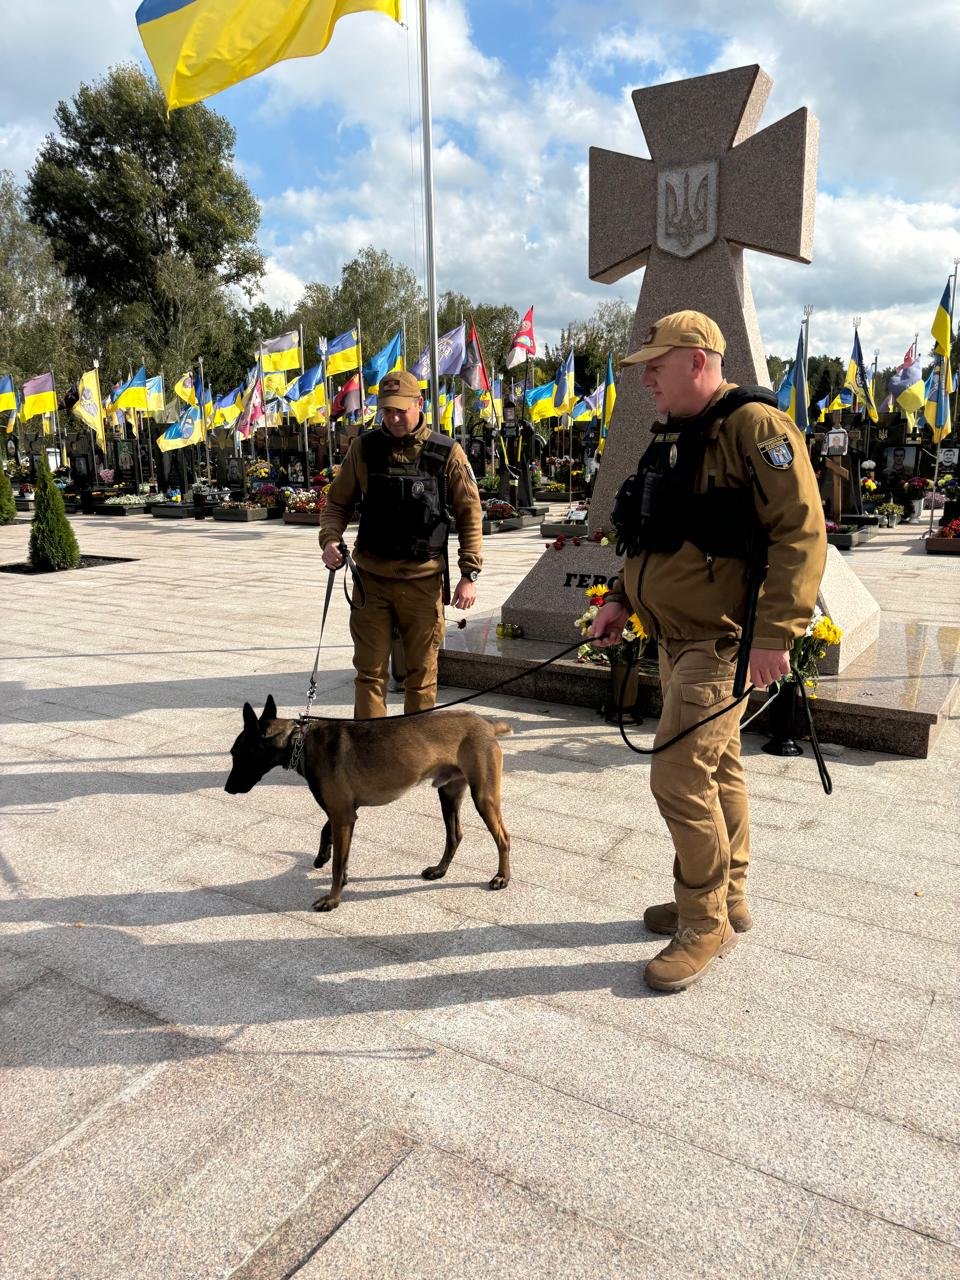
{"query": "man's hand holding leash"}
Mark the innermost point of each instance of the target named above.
(332, 556)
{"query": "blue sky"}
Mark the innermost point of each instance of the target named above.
(521, 90)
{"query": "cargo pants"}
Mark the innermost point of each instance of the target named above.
(414, 606)
(698, 783)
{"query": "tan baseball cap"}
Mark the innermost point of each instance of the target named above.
(682, 329)
(398, 390)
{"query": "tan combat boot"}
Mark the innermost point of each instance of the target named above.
(665, 918)
(687, 958)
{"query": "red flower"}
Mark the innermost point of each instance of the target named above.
(597, 536)
(577, 541)
(461, 623)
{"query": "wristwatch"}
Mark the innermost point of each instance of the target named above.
(472, 576)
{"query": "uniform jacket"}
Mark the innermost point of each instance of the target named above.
(679, 596)
(463, 499)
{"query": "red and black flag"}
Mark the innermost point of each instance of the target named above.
(473, 371)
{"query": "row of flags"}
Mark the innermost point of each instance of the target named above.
(907, 388)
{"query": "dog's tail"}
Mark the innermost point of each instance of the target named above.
(500, 728)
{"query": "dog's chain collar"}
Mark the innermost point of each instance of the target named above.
(296, 753)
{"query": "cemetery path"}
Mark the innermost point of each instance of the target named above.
(204, 1078)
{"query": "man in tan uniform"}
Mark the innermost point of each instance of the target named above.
(726, 480)
(414, 484)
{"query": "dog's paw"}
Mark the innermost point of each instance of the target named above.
(499, 882)
(433, 873)
(322, 858)
(326, 904)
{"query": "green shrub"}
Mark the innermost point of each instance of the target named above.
(8, 509)
(53, 544)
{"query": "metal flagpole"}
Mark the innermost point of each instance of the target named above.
(943, 392)
(363, 394)
(431, 264)
(203, 414)
(306, 443)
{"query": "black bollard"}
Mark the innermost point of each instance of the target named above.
(784, 718)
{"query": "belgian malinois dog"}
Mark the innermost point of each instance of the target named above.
(349, 764)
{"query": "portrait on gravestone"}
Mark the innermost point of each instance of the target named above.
(234, 472)
(900, 461)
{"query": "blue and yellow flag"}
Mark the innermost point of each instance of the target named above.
(133, 393)
(8, 394)
(389, 360)
(343, 353)
(39, 396)
(307, 394)
(276, 355)
(540, 401)
(226, 410)
(906, 387)
(587, 408)
(184, 432)
(564, 397)
(941, 324)
(857, 379)
(156, 396)
(799, 398)
(609, 400)
(200, 47)
(937, 389)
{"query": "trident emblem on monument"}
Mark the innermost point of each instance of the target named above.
(683, 230)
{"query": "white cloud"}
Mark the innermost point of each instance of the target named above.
(49, 49)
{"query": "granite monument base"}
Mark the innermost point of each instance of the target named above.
(551, 596)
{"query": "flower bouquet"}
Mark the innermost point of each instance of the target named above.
(806, 651)
(625, 650)
(495, 509)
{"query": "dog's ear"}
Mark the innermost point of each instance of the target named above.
(269, 709)
(250, 721)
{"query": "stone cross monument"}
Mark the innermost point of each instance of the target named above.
(712, 188)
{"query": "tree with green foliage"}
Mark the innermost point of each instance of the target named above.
(381, 294)
(8, 508)
(147, 216)
(39, 328)
(53, 544)
(605, 332)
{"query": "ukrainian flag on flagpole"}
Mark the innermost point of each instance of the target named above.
(200, 47)
(39, 396)
(389, 360)
(156, 398)
(343, 353)
(941, 324)
(565, 397)
(306, 394)
(8, 395)
(281, 353)
(857, 379)
(540, 401)
(609, 400)
(798, 399)
(133, 394)
(226, 410)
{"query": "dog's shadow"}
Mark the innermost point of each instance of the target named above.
(208, 977)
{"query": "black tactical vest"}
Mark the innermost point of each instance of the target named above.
(404, 513)
(659, 508)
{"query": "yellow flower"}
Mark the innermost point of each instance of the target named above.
(604, 542)
(827, 631)
(595, 591)
(634, 630)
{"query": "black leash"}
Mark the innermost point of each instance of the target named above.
(825, 780)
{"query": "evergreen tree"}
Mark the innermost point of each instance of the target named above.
(8, 510)
(53, 544)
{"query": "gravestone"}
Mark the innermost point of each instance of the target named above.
(712, 188)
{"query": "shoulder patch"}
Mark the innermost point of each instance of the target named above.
(777, 453)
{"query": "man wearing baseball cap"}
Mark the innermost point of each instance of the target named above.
(724, 497)
(414, 485)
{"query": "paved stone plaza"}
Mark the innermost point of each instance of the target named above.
(204, 1078)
